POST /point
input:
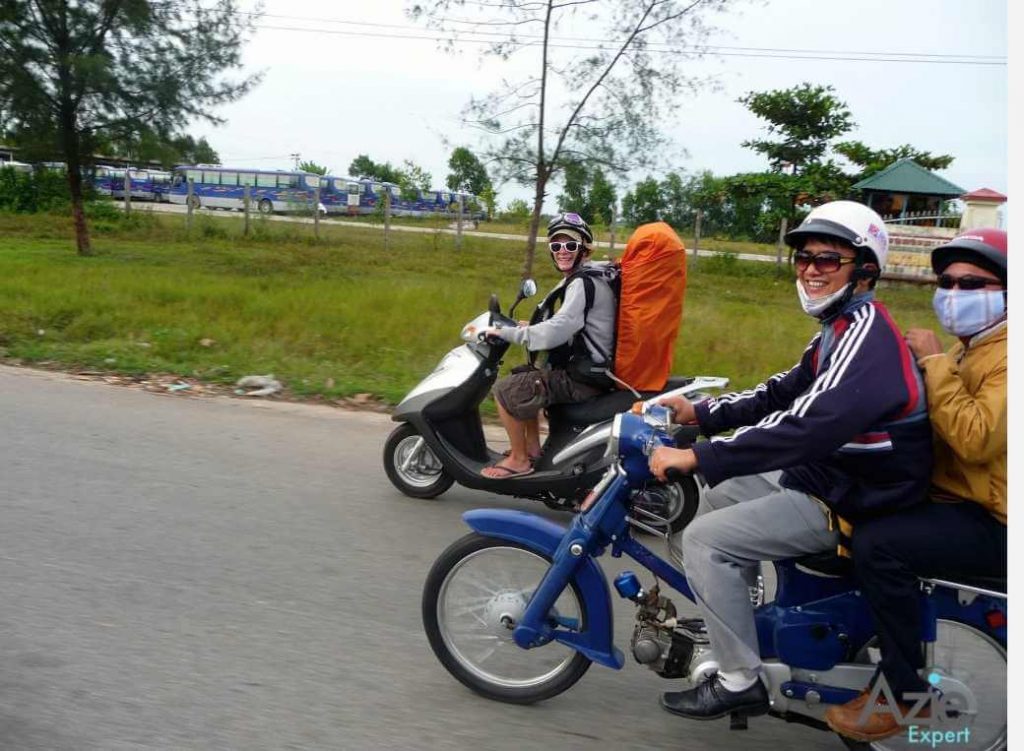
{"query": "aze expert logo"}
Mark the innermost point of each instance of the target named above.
(929, 716)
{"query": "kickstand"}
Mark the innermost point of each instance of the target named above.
(737, 721)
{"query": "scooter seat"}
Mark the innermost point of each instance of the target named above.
(605, 406)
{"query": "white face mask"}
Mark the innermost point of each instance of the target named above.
(817, 306)
(965, 312)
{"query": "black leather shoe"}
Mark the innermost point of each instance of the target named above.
(711, 700)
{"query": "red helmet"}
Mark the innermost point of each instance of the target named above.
(985, 247)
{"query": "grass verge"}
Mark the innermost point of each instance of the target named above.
(336, 316)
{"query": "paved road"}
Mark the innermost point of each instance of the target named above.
(187, 573)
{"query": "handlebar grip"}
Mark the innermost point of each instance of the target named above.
(675, 475)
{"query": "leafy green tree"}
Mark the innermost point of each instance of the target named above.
(804, 119)
(490, 199)
(75, 71)
(644, 204)
(575, 177)
(601, 106)
(517, 210)
(313, 167)
(468, 173)
(871, 161)
(602, 198)
(363, 166)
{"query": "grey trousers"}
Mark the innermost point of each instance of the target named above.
(744, 521)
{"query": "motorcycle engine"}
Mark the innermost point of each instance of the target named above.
(667, 653)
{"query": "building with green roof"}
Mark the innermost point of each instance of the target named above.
(905, 187)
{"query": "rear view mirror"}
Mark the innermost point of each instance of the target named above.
(528, 288)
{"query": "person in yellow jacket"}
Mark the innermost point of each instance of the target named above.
(961, 531)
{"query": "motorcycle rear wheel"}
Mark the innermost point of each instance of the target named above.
(475, 590)
(965, 653)
(424, 476)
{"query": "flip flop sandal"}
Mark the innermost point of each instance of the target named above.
(509, 472)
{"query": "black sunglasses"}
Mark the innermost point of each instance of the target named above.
(572, 246)
(826, 262)
(948, 281)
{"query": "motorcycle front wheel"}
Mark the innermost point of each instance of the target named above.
(474, 594)
(412, 467)
(967, 654)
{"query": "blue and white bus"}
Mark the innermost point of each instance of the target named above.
(219, 187)
(147, 185)
(105, 180)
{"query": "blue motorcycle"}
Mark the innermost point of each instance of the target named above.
(518, 610)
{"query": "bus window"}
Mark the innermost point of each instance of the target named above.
(287, 181)
(229, 178)
(211, 178)
(246, 178)
(195, 176)
(266, 180)
(313, 180)
(353, 188)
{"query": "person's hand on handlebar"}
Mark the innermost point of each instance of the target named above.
(682, 409)
(664, 458)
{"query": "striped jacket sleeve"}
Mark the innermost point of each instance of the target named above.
(747, 407)
(862, 383)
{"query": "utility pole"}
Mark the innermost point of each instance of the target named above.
(296, 158)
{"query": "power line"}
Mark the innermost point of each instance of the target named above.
(681, 52)
(656, 46)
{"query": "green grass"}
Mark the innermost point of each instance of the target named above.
(333, 317)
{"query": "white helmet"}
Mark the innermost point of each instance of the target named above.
(851, 222)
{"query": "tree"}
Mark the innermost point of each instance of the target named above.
(313, 167)
(871, 161)
(490, 198)
(596, 101)
(602, 198)
(645, 204)
(574, 198)
(363, 166)
(75, 71)
(467, 172)
(412, 178)
(805, 117)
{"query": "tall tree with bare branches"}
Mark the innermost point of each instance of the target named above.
(76, 72)
(605, 74)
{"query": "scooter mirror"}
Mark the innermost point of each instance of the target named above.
(528, 289)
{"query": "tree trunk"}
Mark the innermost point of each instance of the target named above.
(531, 238)
(73, 158)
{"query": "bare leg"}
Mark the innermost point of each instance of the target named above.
(517, 460)
(533, 437)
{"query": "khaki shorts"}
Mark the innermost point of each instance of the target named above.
(524, 395)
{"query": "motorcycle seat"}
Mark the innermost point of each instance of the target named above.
(605, 406)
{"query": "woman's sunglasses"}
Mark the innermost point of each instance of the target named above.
(572, 246)
(947, 281)
(826, 262)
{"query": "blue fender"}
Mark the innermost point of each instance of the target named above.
(544, 536)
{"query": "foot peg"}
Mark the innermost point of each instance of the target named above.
(737, 721)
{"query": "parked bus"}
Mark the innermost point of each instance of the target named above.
(219, 187)
(20, 167)
(147, 185)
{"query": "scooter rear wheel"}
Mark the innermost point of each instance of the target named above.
(474, 594)
(412, 467)
(969, 655)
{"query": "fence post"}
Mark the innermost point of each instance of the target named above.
(696, 233)
(387, 218)
(247, 206)
(188, 203)
(316, 212)
(458, 223)
(127, 191)
(782, 239)
(611, 232)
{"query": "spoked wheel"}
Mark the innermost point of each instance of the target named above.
(979, 661)
(474, 595)
(412, 467)
(674, 504)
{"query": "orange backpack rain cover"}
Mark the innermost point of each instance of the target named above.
(653, 282)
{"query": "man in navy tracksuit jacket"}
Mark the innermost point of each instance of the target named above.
(843, 433)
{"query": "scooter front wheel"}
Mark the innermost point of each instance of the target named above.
(412, 467)
(474, 595)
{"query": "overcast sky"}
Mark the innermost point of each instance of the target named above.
(353, 82)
